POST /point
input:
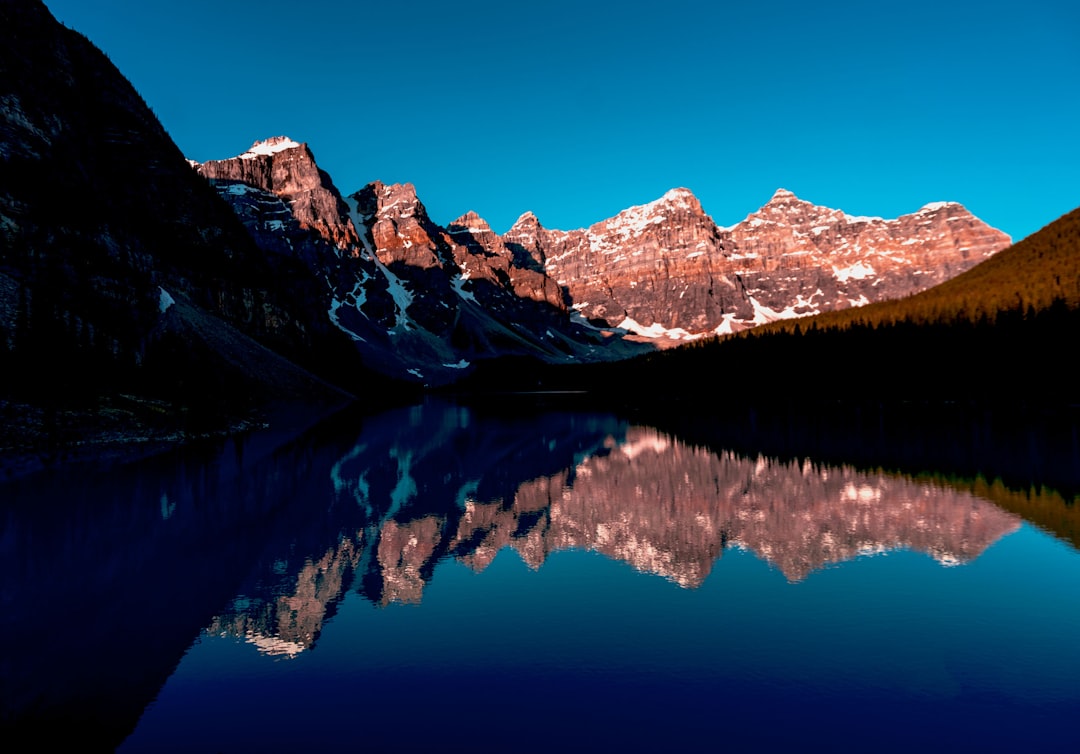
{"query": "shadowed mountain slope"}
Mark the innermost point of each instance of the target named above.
(104, 228)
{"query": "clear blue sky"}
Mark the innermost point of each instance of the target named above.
(576, 110)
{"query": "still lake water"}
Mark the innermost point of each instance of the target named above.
(443, 578)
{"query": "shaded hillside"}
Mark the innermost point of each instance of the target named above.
(103, 228)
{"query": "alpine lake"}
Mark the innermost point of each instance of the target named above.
(536, 576)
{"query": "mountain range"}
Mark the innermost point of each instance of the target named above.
(141, 292)
(423, 302)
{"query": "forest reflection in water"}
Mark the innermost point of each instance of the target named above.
(269, 547)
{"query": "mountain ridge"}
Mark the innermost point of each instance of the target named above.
(994, 335)
(651, 276)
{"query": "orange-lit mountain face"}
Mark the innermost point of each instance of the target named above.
(650, 277)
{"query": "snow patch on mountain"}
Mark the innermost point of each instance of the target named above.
(165, 300)
(862, 218)
(403, 298)
(935, 206)
(656, 330)
(458, 283)
(268, 147)
(857, 271)
(354, 300)
(763, 314)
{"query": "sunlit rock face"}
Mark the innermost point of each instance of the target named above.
(399, 227)
(652, 265)
(503, 261)
(796, 258)
(288, 170)
(664, 270)
(420, 302)
(424, 302)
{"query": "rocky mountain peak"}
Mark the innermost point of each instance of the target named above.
(674, 207)
(677, 199)
(397, 199)
(784, 202)
(399, 226)
(527, 220)
(680, 197)
(270, 146)
(470, 222)
(389, 203)
(952, 207)
(288, 169)
(787, 210)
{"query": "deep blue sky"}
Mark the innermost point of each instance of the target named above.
(576, 110)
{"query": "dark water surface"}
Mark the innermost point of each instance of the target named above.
(438, 577)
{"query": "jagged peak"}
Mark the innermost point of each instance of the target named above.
(639, 217)
(527, 220)
(678, 194)
(396, 188)
(270, 146)
(677, 197)
(681, 198)
(396, 199)
(783, 196)
(935, 206)
(386, 191)
(470, 222)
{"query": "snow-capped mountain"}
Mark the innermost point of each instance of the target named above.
(420, 302)
(665, 270)
(424, 302)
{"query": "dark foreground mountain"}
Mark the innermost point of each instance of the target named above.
(1002, 333)
(131, 297)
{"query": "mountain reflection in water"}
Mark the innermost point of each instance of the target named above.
(115, 584)
(428, 484)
